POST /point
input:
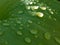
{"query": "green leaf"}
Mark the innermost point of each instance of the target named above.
(29, 22)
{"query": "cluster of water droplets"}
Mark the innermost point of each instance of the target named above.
(20, 21)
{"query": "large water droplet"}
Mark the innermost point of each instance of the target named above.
(47, 35)
(28, 40)
(33, 31)
(57, 40)
(39, 14)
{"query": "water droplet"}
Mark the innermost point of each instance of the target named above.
(29, 21)
(28, 25)
(50, 10)
(47, 35)
(19, 22)
(28, 40)
(39, 14)
(33, 31)
(31, 2)
(28, 7)
(19, 32)
(20, 12)
(20, 28)
(34, 7)
(43, 8)
(6, 24)
(57, 40)
(54, 19)
(50, 17)
(36, 36)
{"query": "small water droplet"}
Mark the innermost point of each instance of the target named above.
(50, 10)
(6, 24)
(20, 12)
(28, 7)
(36, 36)
(31, 2)
(28, 40)
(33, 31)
(29, 21)
(21, 28)
(19, 32)
(43, 8)
(34, 7)
(57, 40)
(47, 35)
(19, 22)
(54, 19)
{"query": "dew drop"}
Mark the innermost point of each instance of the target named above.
(6, 24)
(21, 28)
(36, 36)
(50, 10)
(31, 2)
(39, 14)
(47, 35)
(34, 7)
(19, 22)
(43, 8)
(20, 12)
(54, 19)
(33, 31)
(57, 40)
(28, 7)
(19, 32)
(28, 40)
(29, 21)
